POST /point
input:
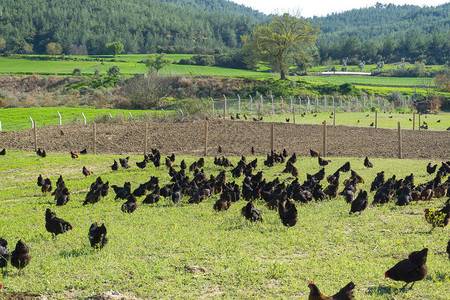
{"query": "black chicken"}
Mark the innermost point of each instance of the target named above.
(40, 180)
(47, 186)
(130, 205)
(288, 213)
(412, 269)
(3, 152)
(314, 153)
(124, 162)
(345, 167)
(20, 257)
(346, 293)
(367, 163)
(63, 197)
(55, 225)
(360, 203)
(115, 166)
(251, 213)
(142, 164)
(4, 254)
(323, 162)
(431, 168)
(97, 236)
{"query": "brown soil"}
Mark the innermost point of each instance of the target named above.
(20, 296)
(235, 138)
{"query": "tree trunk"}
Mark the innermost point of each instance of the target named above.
(283, 75)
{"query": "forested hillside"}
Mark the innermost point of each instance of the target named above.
(141, 25)
(387, 32)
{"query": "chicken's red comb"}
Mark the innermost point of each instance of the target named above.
(311, 282)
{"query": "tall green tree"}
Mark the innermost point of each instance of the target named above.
(157, 62)
(114, 48)
(2, 44)
(282, 42)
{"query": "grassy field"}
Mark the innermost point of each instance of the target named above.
(128, 64)
(156, 252)
(374, 80)
(18, 118)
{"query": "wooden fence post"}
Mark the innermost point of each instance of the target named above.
(259, 111)
(206, 138)
(324, 138)
(414, 120)
(334, 117)
(35, 136)
(419, 120)
(376, 119)
(271, 137)
(145, 138)
(400, 154)
(293, 114)
(225, 107)
(94, 137)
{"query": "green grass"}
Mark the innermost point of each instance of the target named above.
(149, 249)
(374, 80)
(18, 118)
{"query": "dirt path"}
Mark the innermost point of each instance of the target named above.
(235, 138)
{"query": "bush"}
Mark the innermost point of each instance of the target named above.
(147, 92)
(114, 71)
(76, 72)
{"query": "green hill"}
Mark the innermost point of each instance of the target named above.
(83, 26)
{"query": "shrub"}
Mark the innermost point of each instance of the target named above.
(114, 71)
(76, 72)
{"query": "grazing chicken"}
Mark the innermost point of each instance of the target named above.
(55, 225)
(438, 218)
(356, 177)
(314, 153)
(142, 164)
(345, 167)
(124, 162)
(115, 166)
(346, 293)
(295, 172)
(122, 192)
(153, 197)
(19, 256)
(287, 213)
(448, 249)
(97, 236)
(412, 269)
(183, 165)
(40, 180)
(323, 162)
(47, 186)
(4, 254)
(3, 152)
(251, 213)
(367, 163)
(86, 172)
(63, 197)
(224, 202)
(130, 205)
(360, 203)
(74, 155)
(84, 151)
(431, 168)
(94, 195)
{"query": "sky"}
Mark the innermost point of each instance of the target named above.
(308, 8)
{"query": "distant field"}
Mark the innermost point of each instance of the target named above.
(374, 80)
(18, 118)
